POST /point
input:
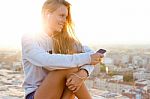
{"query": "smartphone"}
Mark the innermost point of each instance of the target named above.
(102, 51)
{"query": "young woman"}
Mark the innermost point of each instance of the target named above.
(55, 63)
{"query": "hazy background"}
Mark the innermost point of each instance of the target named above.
(97, 21)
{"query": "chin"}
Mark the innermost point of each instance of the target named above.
(59, 30)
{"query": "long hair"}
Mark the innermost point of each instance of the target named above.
(65, 42)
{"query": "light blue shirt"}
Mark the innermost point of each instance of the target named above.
(35, 58)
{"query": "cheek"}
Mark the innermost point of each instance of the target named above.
(55, 21)
(58, 19)
(52, 22)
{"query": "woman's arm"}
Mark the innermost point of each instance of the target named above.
(88, 68)
(73, 81)
(39, 57)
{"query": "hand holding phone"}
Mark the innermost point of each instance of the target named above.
(102, 51)
(96, 57)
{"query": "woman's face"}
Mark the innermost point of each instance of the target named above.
(57, 19)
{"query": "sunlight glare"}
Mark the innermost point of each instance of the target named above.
(18, 17)
(96, 22)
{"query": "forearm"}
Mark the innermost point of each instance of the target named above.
(36, 55)
(88, 69)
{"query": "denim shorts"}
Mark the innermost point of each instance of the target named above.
(31, 95)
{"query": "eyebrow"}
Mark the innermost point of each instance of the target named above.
(63, 14)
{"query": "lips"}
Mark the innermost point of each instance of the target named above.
(61, 25)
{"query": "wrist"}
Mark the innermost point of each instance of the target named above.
(82, 73)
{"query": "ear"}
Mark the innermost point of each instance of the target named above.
(49, 15)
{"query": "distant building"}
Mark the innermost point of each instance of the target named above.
(132, 94)
(96, 70)
(139, 75)
(148, 85)
(108, 61)
(0, 66)
(125, 59)
(117, 78)
(17, 66)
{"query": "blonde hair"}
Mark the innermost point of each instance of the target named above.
(65, 42)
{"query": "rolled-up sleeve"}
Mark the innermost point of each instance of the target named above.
(39, 57)
(88, 68)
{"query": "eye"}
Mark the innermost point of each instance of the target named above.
(61, 15)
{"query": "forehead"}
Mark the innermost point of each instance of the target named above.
(61, 10)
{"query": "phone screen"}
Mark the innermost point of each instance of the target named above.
(102, 51)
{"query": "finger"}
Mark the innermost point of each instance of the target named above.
(95, 62)
(73, 88)
(72, 82)
(98, 59)
(68, 81)
(70, 87)
(99, 55)
(77, 88)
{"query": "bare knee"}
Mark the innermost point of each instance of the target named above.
(63, 72)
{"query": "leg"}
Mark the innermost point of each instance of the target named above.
(82, 93)
(53, 85)
(67, 94)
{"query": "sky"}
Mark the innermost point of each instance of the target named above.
(96, 21)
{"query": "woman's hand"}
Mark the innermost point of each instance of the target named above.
(96, 58)
(74, 81)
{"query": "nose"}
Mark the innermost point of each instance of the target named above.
(64, 19)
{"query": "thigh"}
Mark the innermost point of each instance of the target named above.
(53, 85)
